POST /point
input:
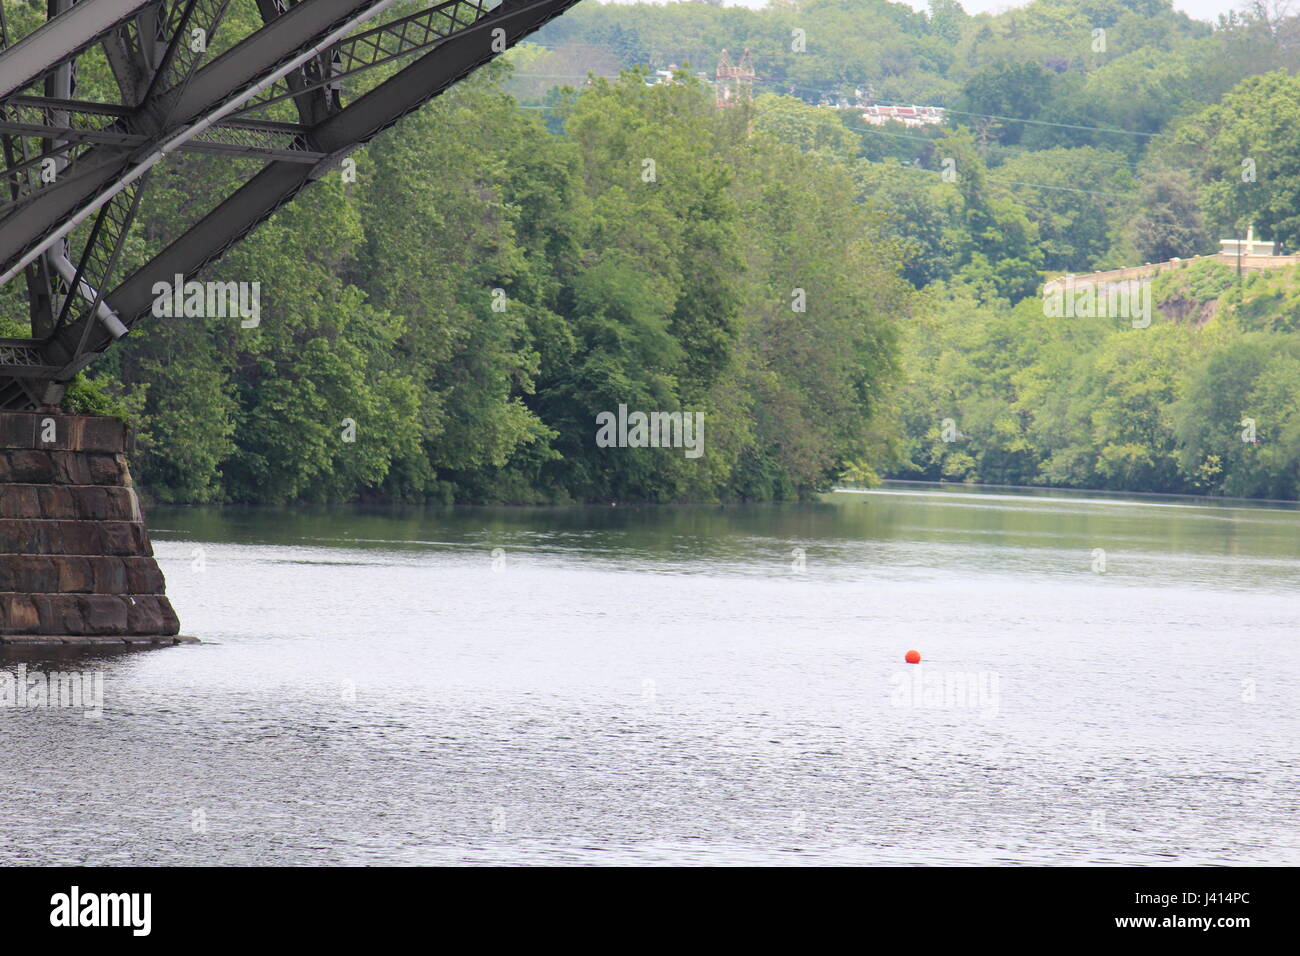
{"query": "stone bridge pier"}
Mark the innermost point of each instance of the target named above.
(76, 565)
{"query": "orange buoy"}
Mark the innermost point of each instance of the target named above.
(912, 657)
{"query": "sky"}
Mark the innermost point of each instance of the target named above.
(1200, 9)
(1207, 10)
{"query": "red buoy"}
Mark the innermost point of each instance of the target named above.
(912, 657)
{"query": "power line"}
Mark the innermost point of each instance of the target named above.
(780, 86)
(1069, 189)
(935, 172)
(885, 132)
(1013, 182)
(1017, 119)
(1010, 119)
(932, 139)
(992, 179)
(929, 139)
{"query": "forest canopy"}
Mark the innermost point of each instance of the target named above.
(579, 227)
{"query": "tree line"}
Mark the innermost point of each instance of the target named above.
(1079, 137)
(447, 323)
(840, 300)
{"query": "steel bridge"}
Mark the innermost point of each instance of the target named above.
(75, 169)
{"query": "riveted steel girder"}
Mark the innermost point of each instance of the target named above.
(61, 38)
(172, 103)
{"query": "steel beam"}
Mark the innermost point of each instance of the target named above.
(59, 39)
(235, 139)
(258, 54)
(302, 49)
(55, 212)
(356, 124)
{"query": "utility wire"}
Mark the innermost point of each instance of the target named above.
(784, 87)
(935, 172)
(930, 139)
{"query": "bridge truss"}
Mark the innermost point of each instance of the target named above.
(75, 170)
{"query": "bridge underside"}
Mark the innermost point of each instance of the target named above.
(310, 83)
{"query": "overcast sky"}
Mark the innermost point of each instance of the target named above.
(1200, 9)
(1207, 10)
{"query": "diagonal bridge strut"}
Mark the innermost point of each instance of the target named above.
(75, 170)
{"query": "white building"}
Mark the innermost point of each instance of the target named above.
(907, 115)
(1250, 246)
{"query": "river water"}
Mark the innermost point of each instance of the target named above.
(1104, 681)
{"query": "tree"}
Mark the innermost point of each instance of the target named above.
(818, 353)
(1248, 151)
(441, 251)
(807, 128)
(1075, 197)
(947, 18)
(998, 245)
(1239, 424)
(1005, 89)
(1167, 222)
(919, 213)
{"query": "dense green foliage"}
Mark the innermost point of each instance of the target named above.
(1115, 127)
(532, 249)
(449, 325)
(1206, 399)
(1079, 136)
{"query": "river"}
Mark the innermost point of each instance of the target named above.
(1104, 680)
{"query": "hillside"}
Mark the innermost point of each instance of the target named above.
(1206, 399)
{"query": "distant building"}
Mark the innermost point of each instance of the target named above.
(659, 77)
(1250, 246)
(1244, 255)
(907, 115)
(734, 82)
